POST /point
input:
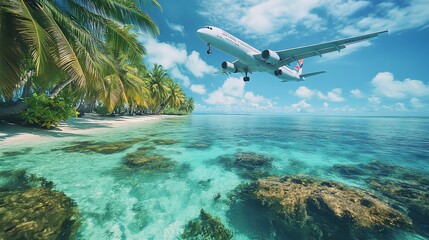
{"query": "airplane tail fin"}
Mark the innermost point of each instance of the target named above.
(299, 65)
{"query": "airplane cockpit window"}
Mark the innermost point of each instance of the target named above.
(209, 27)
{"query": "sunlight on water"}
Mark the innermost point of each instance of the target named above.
(120, 202)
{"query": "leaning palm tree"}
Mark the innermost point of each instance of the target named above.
(62, 42)
(158, 88)
(176, 97)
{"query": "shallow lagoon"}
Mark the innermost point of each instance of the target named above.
(119, 202)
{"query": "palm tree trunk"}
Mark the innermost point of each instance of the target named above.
(57, 89)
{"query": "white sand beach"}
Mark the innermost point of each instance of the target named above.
(11, 133)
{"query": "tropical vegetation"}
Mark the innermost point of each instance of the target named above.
(86, 51)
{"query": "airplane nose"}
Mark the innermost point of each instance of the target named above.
(202, 33)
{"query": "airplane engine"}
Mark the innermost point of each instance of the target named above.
(270, 57)
(278, 72)
(228, 66)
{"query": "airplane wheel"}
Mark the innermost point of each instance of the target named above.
(246, 79)
(209, 51)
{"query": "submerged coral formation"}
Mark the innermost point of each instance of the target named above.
(317, 209)
(206, 227)
(248, 165)
(166, 141)
(148, 161)
(102, 147)
(409, 188)
(17, 153)
(34, 210)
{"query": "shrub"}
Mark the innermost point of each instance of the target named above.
(47, 112)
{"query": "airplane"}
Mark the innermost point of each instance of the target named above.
(250, 59)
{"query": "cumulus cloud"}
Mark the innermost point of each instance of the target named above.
(416, 103)
(233, 95)
(357, 93)
(304, 92)
(384, 84)
(301, 106)
(176, 27)
(392, 16)
(198, 89)
(197, 66)
(335, 95)
(176, 59)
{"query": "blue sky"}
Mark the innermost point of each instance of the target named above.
(385, 76)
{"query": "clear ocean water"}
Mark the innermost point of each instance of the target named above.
(118, 204)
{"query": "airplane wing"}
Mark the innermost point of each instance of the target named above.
(290, 55)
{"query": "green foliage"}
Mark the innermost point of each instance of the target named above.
(206, 227)
(46, 112)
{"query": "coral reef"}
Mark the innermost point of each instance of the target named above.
(165, 141)
(148, 161)
(206, 227)
(102, 147)
(316, 209)
(248, 165)
(33, 210)
(408, 188)
(17, 153)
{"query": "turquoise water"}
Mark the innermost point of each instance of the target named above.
(126, 204)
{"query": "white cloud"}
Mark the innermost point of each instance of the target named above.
(197, 66)
(357, 93)
(416, 103)
(176, 59)
(304, 92)
(177, 74)
(333, 96)
(176, 27)
(301, 106)
(391, 16)
(198, 89)
(374, 100)
(326, 105)
(385, 85)
(232, 96)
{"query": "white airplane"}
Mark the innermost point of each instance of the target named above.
(250, 59)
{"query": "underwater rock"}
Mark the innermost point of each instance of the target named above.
(198, 145)
(102, 147)
(147, 161)
(30, 209)
(316, 209)
(146, 148)
(17, 153)
(413, 195)
(248, 165)
(165, 141)
(15, 180)
(216, 196)
(37, 214)
(408, 188)
(206, 227)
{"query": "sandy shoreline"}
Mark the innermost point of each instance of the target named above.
(11, 134)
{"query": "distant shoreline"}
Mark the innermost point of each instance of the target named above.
(12, 133)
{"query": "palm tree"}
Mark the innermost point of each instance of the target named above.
(123, 84)
(63, 41)
(189, 105)
(175, 97)
(158, 87)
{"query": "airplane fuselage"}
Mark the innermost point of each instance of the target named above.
(226, 42)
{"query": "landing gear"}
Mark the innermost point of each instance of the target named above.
(246, 78)
(210, 50)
